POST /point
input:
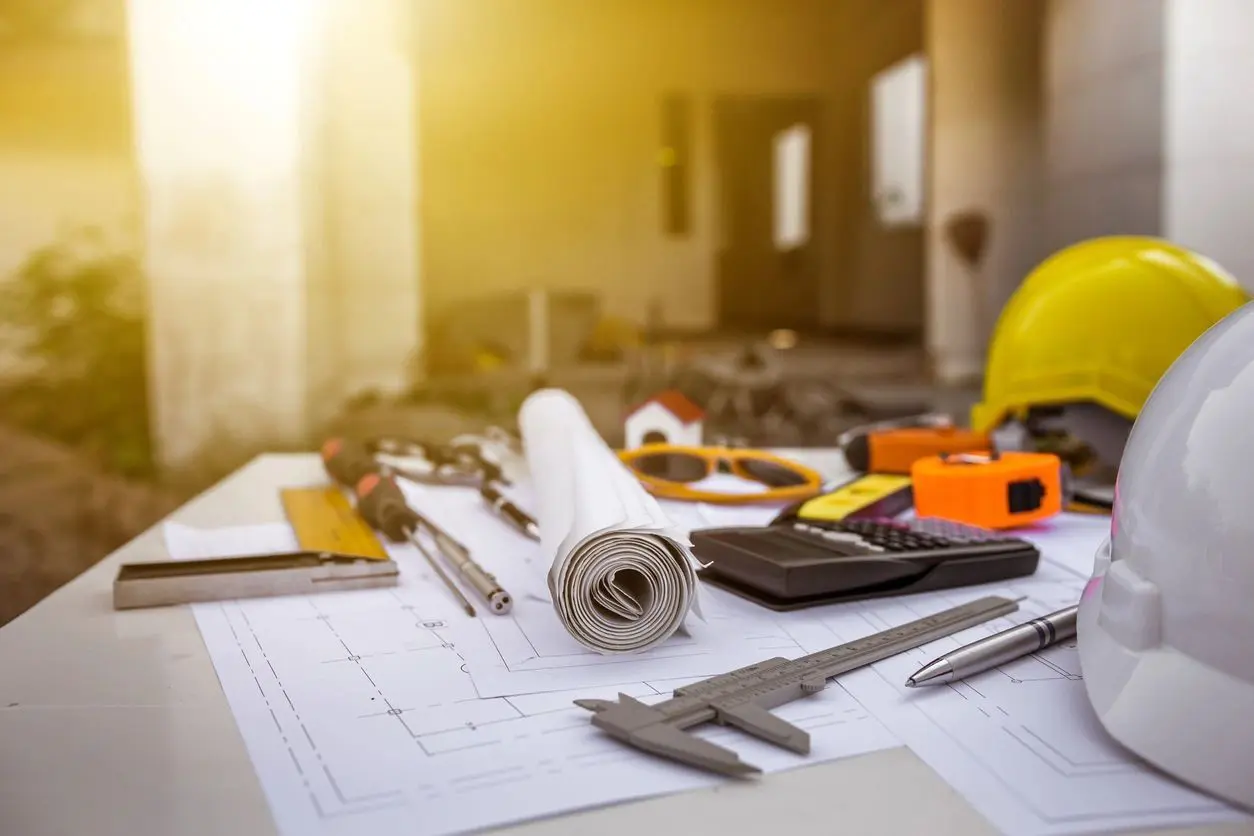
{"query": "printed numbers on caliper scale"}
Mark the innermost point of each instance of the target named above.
(744, 697)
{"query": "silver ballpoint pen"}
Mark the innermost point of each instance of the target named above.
(999, 648)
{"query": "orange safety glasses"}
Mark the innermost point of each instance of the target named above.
(670, 472)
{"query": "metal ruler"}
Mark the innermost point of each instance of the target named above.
(744, 697)
(260, 576)
(324, 521)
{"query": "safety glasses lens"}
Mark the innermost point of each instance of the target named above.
(671, 467)
(770, 474)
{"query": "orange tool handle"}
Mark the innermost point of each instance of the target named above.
(896, 451)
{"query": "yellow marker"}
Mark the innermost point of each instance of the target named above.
(324, 521)
(873, 495)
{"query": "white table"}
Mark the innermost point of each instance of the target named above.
(114, 723)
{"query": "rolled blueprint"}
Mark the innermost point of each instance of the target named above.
(622, 577)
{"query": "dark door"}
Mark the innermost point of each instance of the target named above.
(761, 284)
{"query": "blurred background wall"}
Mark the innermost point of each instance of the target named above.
(316, 189)
(66, 138)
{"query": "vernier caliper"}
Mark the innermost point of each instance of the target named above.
(744, 697)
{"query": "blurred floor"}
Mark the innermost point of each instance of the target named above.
(892, 379)
(59, 515)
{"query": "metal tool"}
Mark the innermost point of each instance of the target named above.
(348, 465)
(492, 437)
(380, 498)
(510, 512)
(382, 504)
(482, 581)
(463, 462)
(744, 697)
(927, 420)
(998, 649)
(375, 489)
(423, 463)
(222, 579)
(325, 521)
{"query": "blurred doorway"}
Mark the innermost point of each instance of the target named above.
(880, 155)
(768, 264)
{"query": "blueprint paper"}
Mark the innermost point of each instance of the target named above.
(359, 718)
(358, 711)
(530, 650)
(1020, 742)
(185, 542)
(621, 576)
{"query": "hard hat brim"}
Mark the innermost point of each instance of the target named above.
(1159, 703)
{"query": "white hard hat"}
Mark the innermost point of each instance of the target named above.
(1166, 625)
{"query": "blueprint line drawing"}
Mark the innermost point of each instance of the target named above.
(362, 710)
(358, 714)
(529, 651)
(1019, 741)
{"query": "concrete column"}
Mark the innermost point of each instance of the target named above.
(1104, 118)
(220, 102)
(985, 156)
(372, 213)
(1148, 130)
(276, 151)
(1208, 179)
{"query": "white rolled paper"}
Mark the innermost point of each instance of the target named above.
(622, 577)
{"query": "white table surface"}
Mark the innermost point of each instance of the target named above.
(115, 724)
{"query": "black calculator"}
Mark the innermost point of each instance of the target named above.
(793, 564)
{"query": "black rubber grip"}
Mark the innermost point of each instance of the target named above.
(858, 452)
(383, 507)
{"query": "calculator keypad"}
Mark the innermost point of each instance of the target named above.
(889, 535)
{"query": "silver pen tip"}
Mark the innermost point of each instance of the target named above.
(939, 671)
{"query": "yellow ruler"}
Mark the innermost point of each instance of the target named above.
(873, 495)
(325, 521)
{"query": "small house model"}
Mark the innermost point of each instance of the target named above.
(666, 418)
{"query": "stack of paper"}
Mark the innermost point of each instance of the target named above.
(621, 576)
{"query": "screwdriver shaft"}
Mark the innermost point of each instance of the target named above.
(435, 567)
(482, 581)
(382, 505)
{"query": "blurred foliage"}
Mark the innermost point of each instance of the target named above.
(72, 325)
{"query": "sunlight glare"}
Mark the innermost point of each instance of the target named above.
(217, 77)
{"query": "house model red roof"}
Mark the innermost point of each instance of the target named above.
(674, 402)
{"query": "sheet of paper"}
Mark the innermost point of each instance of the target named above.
(530, 650)
(185, 542)
(359, 717)
(1019, 742)
(360, 711)
(621, 576)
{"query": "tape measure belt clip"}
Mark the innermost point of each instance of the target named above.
(1025, 495)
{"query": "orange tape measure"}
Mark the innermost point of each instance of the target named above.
(989, 490)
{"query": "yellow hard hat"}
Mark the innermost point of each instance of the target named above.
(1100, 322)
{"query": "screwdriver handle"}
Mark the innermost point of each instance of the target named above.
(383, 507)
